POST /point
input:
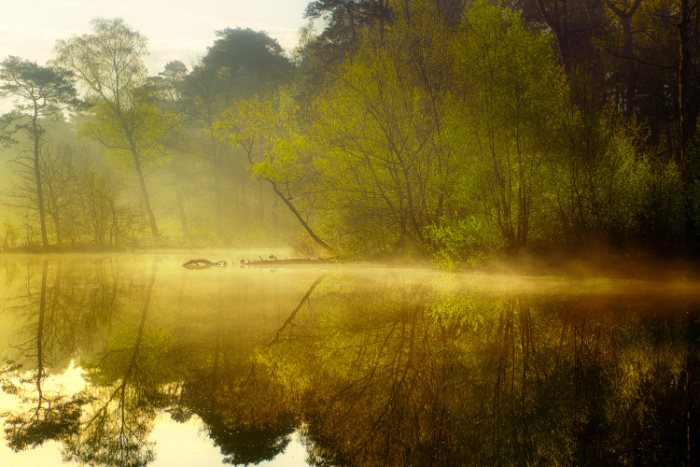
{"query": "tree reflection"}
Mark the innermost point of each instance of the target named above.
(53, 415)
(359, 379)
(402, 378)
(243, 409)
(125, 385)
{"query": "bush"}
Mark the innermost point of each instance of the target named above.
(469, 239)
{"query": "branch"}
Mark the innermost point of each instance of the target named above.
(288, 203)
(296, 310)
(621, 13)
(639, 60)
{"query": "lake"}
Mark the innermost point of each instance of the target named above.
(132, 360)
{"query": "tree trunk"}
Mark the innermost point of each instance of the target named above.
(688, 118)
(628, 52)
(301, 220)
(218, 188)
(113, 226)
(37, 176)
(559, 27)
(146, 199)
(687, 109)
(630, 85)
(181, 212)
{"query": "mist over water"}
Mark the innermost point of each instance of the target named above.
(136, 360)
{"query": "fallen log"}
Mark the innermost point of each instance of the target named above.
(281, 263)
(202, 264)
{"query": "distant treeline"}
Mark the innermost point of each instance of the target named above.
(450, 129)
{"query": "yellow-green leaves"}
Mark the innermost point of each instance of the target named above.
(375, 132)
(141, 129)
(506, 114)
(108, 63)
(266, 128)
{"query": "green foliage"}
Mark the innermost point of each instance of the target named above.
(10, 235)
(133, 135)
(472, 239)
(269, 132)
(422, 127)
(267, 128)
(375, 132)
(505, 116)
(610, 185)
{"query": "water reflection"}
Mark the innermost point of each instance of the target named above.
(127, 378)
(51, 416)
(369, 369)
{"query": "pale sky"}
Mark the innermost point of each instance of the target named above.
(176, 29)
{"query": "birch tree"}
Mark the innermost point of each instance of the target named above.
(128, 123)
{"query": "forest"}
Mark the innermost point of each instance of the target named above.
(450, 130)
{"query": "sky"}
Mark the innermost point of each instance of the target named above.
(176, 29)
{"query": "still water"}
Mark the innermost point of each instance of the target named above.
(133, 360)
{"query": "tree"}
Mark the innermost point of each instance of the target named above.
(506, 115)
(377, 150)
(41, 91)
(170, 87)
(128, 122)
(246, 62)
(240, 64)
(347, 21)
(267, 129)
(201, 100)
(688, 80)
(84, 201)
(343, 25)
(574, 24)
(58, 176)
